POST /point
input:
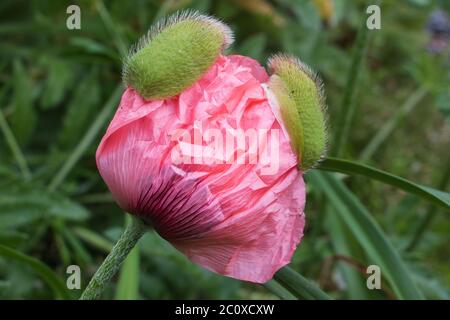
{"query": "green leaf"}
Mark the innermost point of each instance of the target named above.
(23, 119)
(443, 104)
(12, 143)
(82, 256)
(80, 111)
(128, 285)
(278, 290)
(24, 205)
(113, 28)
(93, 47)
(63, 250)
(349, 167)
(54, 282)
(366, 230)
(88, 138)
(93, 239)
(300, 286)
(59, 78)
(425, 221)
(306, 13)
(343, 244)
(12, 238)
(254, 46)
(392, 123)
(432, 288)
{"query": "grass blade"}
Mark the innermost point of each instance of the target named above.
(42, 269)
(14, 145)
(128, 285)
(392, 123)
(23, 119)
(366, 230)
(348, 105)
(86, 141)
(163, 10)
(93, 239)
(82, 256)
(353, 168)
(426, 220)
(81, 109)
(300, 286)
(111, 26)
(343, 245)
(277, 289)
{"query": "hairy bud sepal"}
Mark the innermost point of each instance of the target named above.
(300, 96)
(175, 54)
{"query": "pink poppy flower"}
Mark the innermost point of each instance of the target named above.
(230, 209)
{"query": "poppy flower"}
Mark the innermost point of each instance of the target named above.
(200, 148)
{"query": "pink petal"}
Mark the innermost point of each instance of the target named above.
(254, 243)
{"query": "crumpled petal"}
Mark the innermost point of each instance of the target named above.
(242, 219)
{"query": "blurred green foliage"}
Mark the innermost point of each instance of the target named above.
(58, 90)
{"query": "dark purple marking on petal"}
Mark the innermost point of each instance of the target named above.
(178, 208)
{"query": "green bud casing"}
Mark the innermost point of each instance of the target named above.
(175, 54)
(300, 96)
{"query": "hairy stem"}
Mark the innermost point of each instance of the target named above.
(111, 264)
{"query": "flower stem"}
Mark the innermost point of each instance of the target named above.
(348, 106)
(111, 264)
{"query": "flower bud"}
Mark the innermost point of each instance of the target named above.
(239, 215)
(210, 151)
(175, 54)
(299, 93)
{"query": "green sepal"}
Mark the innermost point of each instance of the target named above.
(175, 54)
(299, 93)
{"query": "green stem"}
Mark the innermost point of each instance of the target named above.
(384, 133)
(348, 105)
(300, 286)
(111, 264)
(112, 28)
(14, 146)
(423, 223)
